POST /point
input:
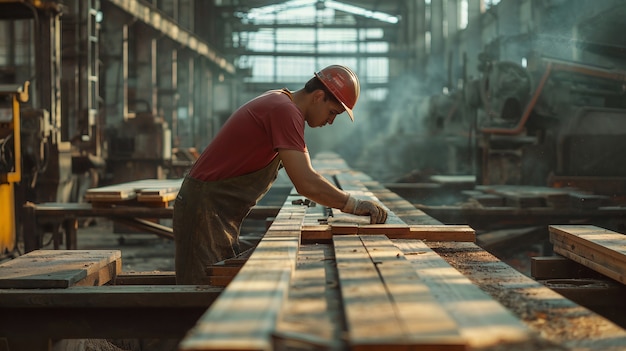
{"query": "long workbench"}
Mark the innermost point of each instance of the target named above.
(62, 220)
(337, 283)
(325, 280)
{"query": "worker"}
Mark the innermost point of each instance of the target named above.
(240, 164)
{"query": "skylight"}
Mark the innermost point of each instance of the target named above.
(270, 11)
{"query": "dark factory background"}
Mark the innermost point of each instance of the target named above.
(520, 93)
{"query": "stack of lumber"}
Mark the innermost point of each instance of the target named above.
(602, 250)
(352, 285)
(145, 192)
(523, 196)
(42, 269)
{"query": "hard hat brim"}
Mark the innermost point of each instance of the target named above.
(349, 111)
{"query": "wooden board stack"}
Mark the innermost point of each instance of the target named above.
(145, 192)
(43, 269)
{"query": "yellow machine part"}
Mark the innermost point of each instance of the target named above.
(8, 223)
(7, 218)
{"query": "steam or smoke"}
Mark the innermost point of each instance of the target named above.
(382, 142)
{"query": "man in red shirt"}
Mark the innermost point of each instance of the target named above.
(242, 161)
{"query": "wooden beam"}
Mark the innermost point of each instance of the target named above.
(312, 318)
(322, 232)
(600, 249)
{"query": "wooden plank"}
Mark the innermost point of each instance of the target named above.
(60, 268)
(368, 309)
(402, 208)
(425, 322)
(451, 232)
(155, 189)
(343, 223)
(163, 197)
(145, 278)
(600, 249)
(442, 232)
(596, 266)
(222, 275)
(481, 320)
(339, 218)
(386, 307)
(312, 317)
(244, 316)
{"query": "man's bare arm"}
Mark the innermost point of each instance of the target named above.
(314, 186)
(308, 182)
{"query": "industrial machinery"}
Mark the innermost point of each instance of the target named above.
(552, 123)
(67, 144)
(556, 120)
(10, 160)
(36, 161)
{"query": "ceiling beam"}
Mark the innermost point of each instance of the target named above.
(391, 54)
(169, 28)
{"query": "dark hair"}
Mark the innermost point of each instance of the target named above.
(316, 84)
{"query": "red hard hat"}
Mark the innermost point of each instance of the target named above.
(343, 83)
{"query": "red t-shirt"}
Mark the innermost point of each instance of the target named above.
(251, 137)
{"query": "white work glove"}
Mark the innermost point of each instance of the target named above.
(355, 206)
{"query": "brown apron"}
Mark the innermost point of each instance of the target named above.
(208, 216)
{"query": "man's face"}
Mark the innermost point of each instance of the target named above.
(325, 111)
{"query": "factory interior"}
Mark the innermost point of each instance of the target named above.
(490, 129)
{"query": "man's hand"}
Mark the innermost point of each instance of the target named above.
(376, 212)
